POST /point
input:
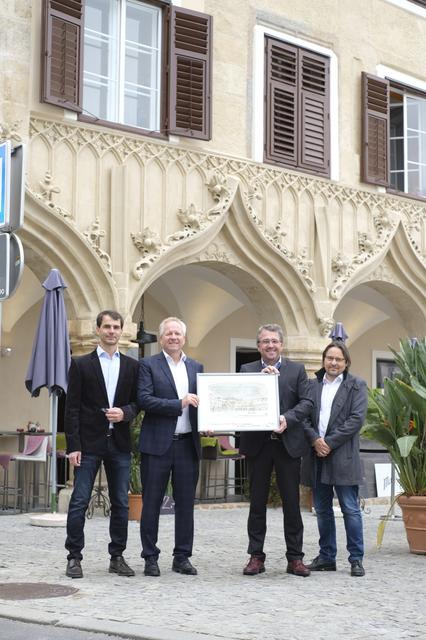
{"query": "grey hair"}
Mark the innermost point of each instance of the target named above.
(276, 328)
(171, 319)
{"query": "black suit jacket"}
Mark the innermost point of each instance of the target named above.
(158, 397)
(86, 426)
(295, 405)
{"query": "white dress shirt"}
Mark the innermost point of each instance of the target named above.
(180, 376)
(110, 366)
(329, 390)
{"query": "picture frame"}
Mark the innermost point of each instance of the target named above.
(232, 402)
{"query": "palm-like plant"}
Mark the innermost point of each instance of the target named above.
(396, 417)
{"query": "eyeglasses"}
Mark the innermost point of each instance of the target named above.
(330, 359)
(268, 341)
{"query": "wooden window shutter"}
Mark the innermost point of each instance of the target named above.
(375, 130)
(281, 102)
(314, 112)
(62, 53)
(190, 73)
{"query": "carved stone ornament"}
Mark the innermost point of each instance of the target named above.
(300, 261)
(10, 131)
(215, 254)
(325, 325)
(48, 188)
(94, 234)
(217, 187)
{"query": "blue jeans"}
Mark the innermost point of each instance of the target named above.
(349, 504)
(117, 469)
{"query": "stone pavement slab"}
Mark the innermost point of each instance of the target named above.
(220, 603)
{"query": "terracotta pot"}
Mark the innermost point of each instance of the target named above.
(135, 506)
(414, 514)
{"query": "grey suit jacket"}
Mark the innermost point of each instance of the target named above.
(295, 405)
(343, 465)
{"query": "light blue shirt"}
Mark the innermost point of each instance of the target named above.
(110, 366)
(329, 390)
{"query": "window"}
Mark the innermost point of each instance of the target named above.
(146, 63)
(297, 107)
(394, 136)
(122, 62)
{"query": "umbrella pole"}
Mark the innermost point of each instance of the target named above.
(53, 429)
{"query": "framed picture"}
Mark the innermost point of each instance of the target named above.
(238, 402)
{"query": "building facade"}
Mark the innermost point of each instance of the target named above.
(230, 162)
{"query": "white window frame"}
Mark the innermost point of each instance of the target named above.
(234, 345)
(378, 355)
(409, 6)
(258, 128)
(119, 75)
(382, 71)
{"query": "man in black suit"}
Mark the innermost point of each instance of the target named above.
(280, 450)
(100, 404)
(169, 444)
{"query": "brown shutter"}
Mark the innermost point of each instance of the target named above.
(62, 53)
(314, 112)
(375, 130)
(190, 73)
(281, 112)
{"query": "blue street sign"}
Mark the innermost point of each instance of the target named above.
(4, 183)
(11, 264)
(12, 186)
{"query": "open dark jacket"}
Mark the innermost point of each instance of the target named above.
(295, 405)
(86, 426)
(343, 465)
(158, 397)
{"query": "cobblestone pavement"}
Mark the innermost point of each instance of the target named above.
(221, 603)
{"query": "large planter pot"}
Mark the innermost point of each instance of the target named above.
(414, 514)
(135, 506)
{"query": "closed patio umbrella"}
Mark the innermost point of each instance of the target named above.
(51, 357)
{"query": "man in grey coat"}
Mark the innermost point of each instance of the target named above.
(340, 405)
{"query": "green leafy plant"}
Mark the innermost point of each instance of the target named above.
(396, 416)
(135, 485)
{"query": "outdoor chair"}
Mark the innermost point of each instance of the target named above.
(27, 476)
(216, 482)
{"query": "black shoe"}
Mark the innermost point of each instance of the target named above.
(120, 566)
(151, 568)
(74, 569)
(318, 564)
(357, 569)
(184, 566)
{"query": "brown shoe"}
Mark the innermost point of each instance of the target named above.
(254, 566)
(297, 568)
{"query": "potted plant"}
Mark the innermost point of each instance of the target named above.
(396, 418)
(135, 486)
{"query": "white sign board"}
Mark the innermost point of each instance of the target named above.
(383, 472)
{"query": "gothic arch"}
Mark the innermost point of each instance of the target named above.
(51, 241)
(237, 231)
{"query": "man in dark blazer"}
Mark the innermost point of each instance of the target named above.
(100, 404)
(169, 444)
(340, 406)
(281, 449)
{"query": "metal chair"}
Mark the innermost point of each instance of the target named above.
(34, 453)
(216, 454)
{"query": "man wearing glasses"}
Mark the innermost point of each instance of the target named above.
(280, 450)
(340, 406)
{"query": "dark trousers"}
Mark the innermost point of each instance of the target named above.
(117, 469)
(287, 469)
(181, 462)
